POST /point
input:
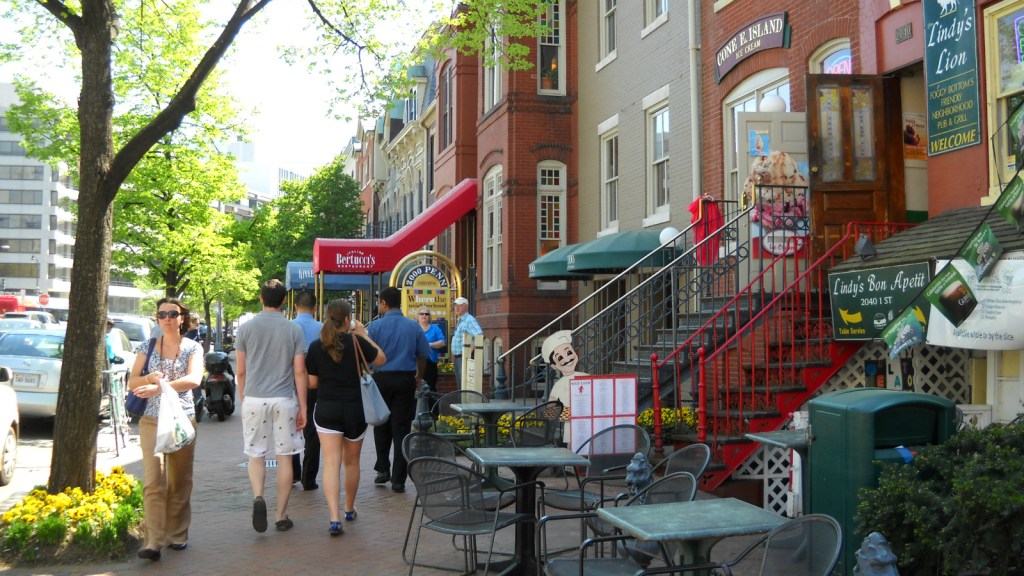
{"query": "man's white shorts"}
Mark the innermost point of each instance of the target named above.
(268, 426)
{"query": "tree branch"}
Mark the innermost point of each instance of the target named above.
(184, 102)
(63, 14)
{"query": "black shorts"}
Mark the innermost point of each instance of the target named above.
(344, 417)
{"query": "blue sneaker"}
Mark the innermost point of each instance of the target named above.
(350, 515)
(335, 529)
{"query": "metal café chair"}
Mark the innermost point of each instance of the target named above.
(452, 500)
(540, 426)
(678, 487)
(424, 444)
(471, 422)
(809, 545)
(693, 459)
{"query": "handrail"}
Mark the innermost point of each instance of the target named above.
(587, 315)
(706, 357)
(595, 294)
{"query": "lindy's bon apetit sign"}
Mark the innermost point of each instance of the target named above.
(770, 31)
(865, 301)
(951, 72)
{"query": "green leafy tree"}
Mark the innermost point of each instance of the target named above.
(325, 205)
(90, 33)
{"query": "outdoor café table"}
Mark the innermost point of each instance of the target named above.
(693, 527)
(526, 463)
(490, 413)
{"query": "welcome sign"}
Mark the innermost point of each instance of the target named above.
(951, 73)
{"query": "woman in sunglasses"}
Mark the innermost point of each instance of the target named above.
(436, 341)
(167, 478)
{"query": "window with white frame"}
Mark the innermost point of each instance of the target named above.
(610, 180)
(746, 98)
(551, 49)
(658, 131)
(411, 106)
(447, 105)
(655, 11)
(607, 37)
(493, 89)
(551, 225)
(1004, 34)
(492, 230)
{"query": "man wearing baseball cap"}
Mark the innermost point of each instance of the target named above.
(467, 324)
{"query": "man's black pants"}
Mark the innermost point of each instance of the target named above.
(399, 392)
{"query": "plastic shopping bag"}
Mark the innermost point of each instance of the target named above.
(174, 430)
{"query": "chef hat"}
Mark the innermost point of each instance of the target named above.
(554, 341)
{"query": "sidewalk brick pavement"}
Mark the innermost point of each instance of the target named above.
(222, 540)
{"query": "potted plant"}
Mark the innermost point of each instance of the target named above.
(672, 419)
(549, 79)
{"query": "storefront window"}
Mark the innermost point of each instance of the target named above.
(1004, 41)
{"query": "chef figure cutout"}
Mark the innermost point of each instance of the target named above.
(561, 356)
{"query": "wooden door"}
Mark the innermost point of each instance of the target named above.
(855, 154)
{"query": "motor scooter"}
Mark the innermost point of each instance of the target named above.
(218, 385)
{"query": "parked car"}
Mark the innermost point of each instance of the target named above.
(138, 328)
(10, 427)
(44, 318)
(8, 324)
(34, 358)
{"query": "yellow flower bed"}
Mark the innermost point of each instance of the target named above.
(98, 521)
(669, 418)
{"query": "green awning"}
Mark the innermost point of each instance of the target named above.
(618, 251)
(552, 266)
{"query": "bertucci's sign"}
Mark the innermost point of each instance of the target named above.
(771, 31)
(355, 260)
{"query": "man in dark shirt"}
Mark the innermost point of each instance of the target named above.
(403, 343)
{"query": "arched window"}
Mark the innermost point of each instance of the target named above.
(492, 230)
(832, 57)
(551, 224)
(745, 98)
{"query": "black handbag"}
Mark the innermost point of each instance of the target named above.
(133, 404)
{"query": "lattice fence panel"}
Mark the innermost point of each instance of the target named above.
(938, 370)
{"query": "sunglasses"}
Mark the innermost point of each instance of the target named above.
(424, 313)
(171, 314)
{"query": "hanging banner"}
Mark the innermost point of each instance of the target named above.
(1015, 124)
(998, 321)
(864, 302)
(950, 294)
(951, 74)
(1011, 203)
(904, 332)
(982, 250)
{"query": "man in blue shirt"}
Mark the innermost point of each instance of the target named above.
(405, 346)
(305, 304)
(467, 326)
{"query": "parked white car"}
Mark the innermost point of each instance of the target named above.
(44, 318)
(8, 324)
(10, 427)
(138, 328)
(34, 358)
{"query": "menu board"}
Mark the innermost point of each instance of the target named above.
(600, 401)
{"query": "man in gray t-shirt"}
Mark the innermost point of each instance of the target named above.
(270, 353)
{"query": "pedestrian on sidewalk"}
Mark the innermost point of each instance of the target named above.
(467, 326)
(271, 355)
(436, 341)
(305, 304)
(405, 346)
(332, 364)
(166, 478)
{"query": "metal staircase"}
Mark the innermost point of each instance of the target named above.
(640, 311)
(754, 370)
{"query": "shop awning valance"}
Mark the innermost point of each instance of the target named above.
(554, 265)
(615, 252)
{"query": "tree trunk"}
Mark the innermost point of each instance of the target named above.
(74, 433)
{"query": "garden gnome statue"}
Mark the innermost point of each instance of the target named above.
(638, 473)
(875, 557)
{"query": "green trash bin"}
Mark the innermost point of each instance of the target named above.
(854, 428)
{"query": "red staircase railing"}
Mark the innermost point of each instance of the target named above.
(763, 354)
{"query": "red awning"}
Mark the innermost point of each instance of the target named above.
(361, 256)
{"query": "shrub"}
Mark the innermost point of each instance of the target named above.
(73, 523)
(957, 507)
